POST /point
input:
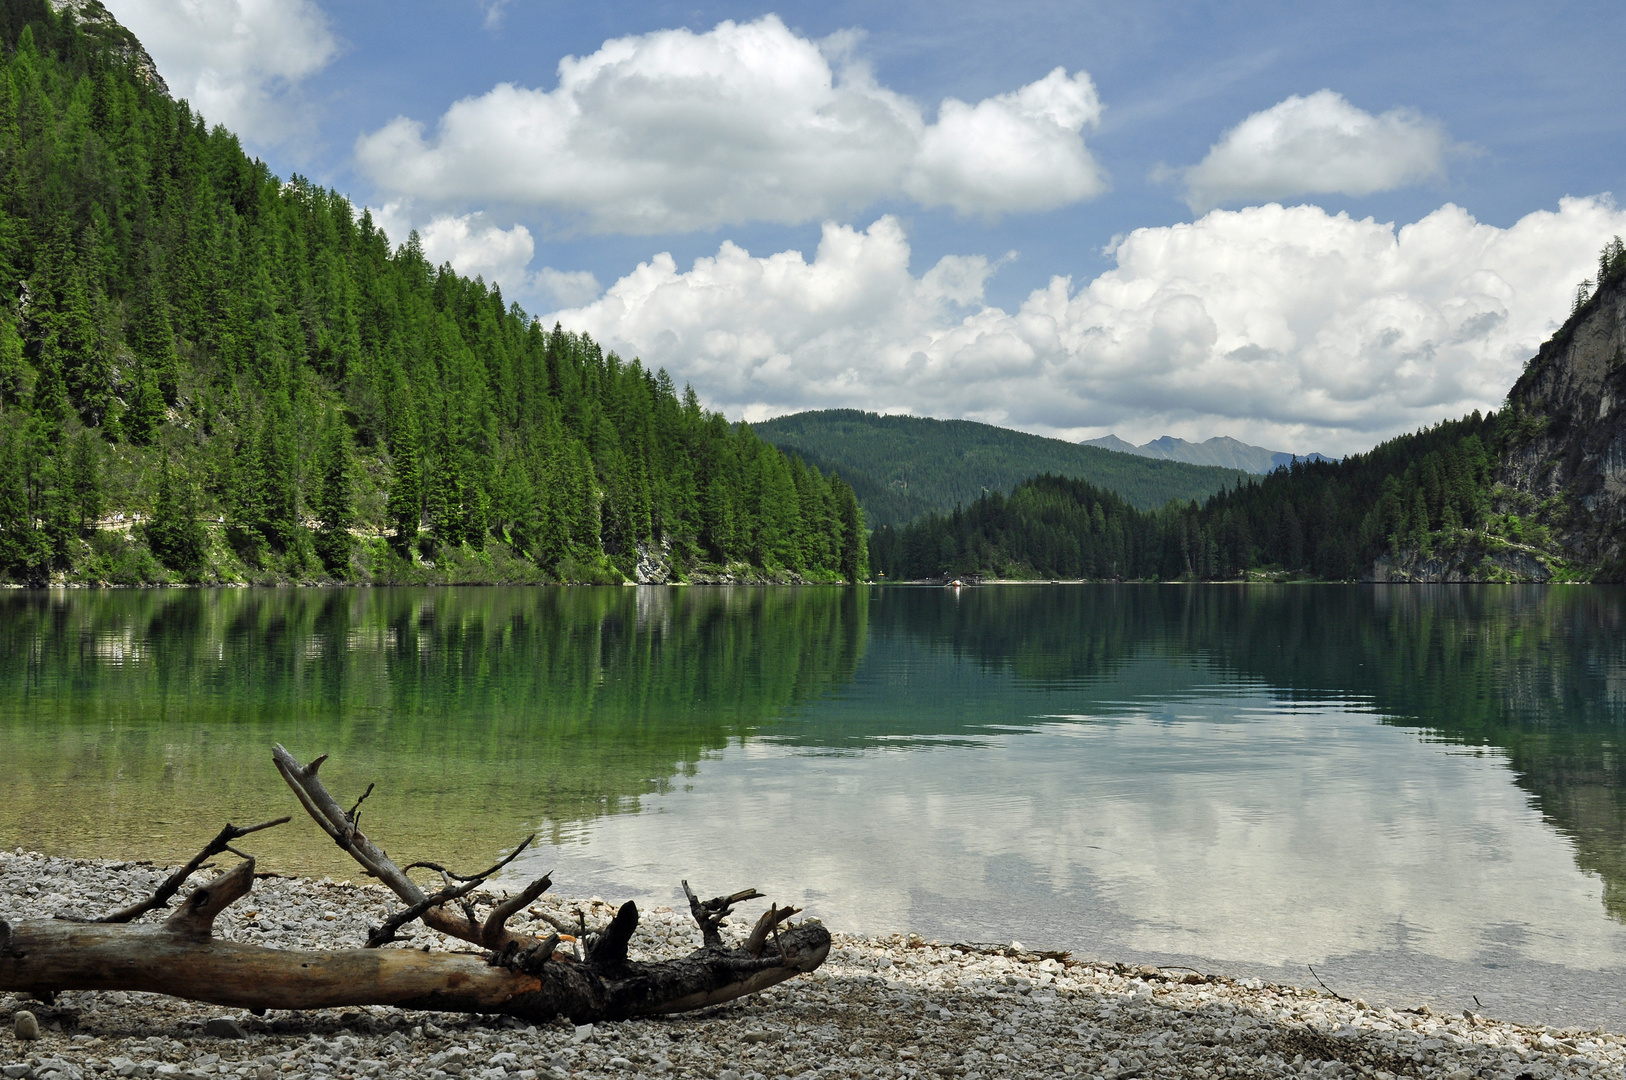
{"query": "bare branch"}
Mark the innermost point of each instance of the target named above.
(325, 810)
(196, 918)
(610, 951)
(173, 883)
(493, 928)
(710, 913)
(767, 924)
(384, 934)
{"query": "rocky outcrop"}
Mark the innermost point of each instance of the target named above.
(654, 565)
(1564, 454)
(1463, 564)
(98, 24)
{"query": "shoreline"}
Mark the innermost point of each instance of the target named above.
(882, 1007)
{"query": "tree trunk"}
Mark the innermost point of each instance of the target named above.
(516, 975)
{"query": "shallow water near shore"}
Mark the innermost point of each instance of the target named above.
(1419, 791)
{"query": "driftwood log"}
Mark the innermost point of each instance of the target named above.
(509, 973)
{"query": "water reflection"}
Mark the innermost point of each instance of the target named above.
(134, 722)
(1394, 779)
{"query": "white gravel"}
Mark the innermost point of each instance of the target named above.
(882, 1007)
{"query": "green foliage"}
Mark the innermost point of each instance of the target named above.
(313, 381)
(903, 466)
(334, 513)
(174, 533)
(1324, 519)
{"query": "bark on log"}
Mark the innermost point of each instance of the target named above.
(521, 976)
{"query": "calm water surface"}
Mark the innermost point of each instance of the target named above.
(1419, 791)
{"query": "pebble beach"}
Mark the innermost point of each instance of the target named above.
(881, 1007)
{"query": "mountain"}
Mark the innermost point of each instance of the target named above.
(1563, 464)
(1325, 519)
(1533, 493)
(210, 373)
(945, 463)
(1221, 451)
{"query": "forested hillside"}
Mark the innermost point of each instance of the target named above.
(1332, 520)
(211, 373)
(1527, 494)
(941, 464)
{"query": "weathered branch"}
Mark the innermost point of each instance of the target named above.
(710, 913)
(333, 819)
(179, 957)
(767, 924)
(173, 883)
(195, 918)
(491, 934)
(522, 976)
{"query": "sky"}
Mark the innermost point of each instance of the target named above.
(1307, 226)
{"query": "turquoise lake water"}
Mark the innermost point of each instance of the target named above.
(1419, 791)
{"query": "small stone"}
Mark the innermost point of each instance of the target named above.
(756, 1036)
(224, 1027)
(25, 1025)
(14, 1071)
(582, 1033)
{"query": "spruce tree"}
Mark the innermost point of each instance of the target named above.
(85, 481)
(155, 344)
(854, 541)
(11, 364)
(334, 512)
(20, 543)
(174, 533)
(406, 499)
(146, 413)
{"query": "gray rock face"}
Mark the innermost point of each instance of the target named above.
(1565, 459)
(654, 563)
(98, 23)
(1462, 565)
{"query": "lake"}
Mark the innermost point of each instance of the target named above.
(1420, 791)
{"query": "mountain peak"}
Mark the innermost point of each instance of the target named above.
(1221, 450)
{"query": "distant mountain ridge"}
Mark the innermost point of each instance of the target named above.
(903, 466)
(1221, 451)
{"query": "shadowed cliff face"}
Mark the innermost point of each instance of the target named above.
(1565, 456)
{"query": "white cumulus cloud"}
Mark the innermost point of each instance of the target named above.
(239, 62)
(1285, 326)
(676, 131)
(477, 246)
(1317, 144)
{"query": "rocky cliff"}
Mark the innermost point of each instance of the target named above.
(1563, 462)
(98, 23)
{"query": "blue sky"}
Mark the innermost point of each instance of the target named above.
(1051, 258)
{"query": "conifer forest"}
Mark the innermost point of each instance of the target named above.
(210, 373)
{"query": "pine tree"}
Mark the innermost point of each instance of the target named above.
(85, 482)
(174, 533)
(854, 539)
(406, 487)
(146, 413)
(334, 512)
(11, 364)
(21, 546)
